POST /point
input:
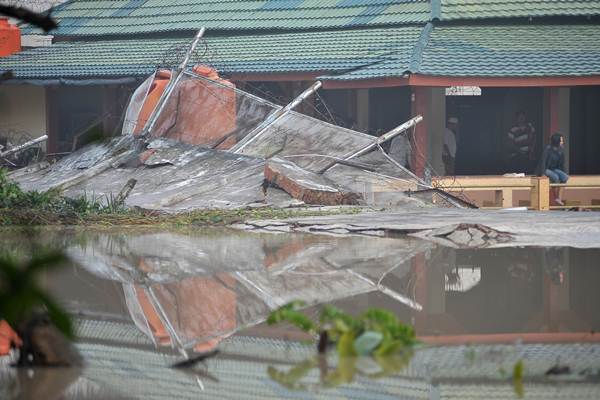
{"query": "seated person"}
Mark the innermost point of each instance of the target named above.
(552, 164)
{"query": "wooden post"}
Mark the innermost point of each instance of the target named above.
(540, 193)
(504, 197)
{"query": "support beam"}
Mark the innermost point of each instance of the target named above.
(362, 109)
(557, 116)
(420, 99)
(175, 77)
(437, 126)
(378, 141)
(273, 118)
(540, 193)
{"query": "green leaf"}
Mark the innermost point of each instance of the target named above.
(340, 320)
(517, 379)
(389, 346)
(59, 318)
(393, 363)
(345, 346)
(291, 378)
(288, 313)
(344, 373)
(45, 260)
(367, 342)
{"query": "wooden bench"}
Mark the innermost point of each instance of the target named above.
(503, 187)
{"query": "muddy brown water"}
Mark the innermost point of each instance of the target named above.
(143, 299)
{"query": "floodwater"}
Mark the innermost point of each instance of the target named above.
(144, 299)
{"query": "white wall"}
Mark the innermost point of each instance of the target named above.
(22, 109)
(38, 6)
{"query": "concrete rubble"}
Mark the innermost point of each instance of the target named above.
(248, 153)
(453, 227)
(307, 186)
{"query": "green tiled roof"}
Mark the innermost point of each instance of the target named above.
(384, 51)
(477, 9)
(512, 50)
(123, 17)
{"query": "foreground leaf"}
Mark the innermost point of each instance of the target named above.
(367, 342)
(345, 346)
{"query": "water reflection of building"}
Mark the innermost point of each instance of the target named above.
(530, 291)
(191, 291)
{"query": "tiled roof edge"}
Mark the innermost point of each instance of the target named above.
(417, 55)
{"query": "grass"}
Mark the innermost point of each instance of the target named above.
(206, 217)
(20, 208)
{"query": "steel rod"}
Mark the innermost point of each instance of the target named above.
(24, 146)
(381, 139)
(162, 102)
(276, 116)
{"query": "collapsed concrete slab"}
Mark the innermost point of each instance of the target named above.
(178, 168)
(305, 185)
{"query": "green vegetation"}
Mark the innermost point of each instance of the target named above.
(20, 295)
(51, 208)
(375, 344)
(377, 332)
(13, 198)
(517, 379)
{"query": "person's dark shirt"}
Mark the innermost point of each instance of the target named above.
(552, 158)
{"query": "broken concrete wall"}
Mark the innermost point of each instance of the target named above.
(176, 176)
(304, 185)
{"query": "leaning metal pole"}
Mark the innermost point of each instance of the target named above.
(24, 146)
(276, 116)
(175, 78)
(381, 139)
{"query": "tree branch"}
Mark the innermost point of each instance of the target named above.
(43, 21)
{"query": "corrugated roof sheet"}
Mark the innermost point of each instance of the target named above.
(478, 9)
(121, 17)
(512, 50)
(386, 52)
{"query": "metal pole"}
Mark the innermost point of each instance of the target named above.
(171, 85)
(276, 116)
(381, 139)
(24, 146)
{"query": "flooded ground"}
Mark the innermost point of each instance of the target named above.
(145, 299)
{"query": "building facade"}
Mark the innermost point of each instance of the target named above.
(381, 62)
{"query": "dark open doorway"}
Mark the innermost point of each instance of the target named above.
(585, 130)
(482, 145)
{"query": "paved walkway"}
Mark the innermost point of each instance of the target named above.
(529, 228)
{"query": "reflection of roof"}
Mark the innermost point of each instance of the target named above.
(454, 372)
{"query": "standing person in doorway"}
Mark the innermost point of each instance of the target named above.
(521, 139)
(552, 164)
(449, 151)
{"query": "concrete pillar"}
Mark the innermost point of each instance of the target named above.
(564, 121)
(420, 105)
(557, 104)
(436, 126)
(362, 109)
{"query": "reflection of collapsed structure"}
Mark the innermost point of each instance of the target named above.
(190, 292)
(191, 140)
